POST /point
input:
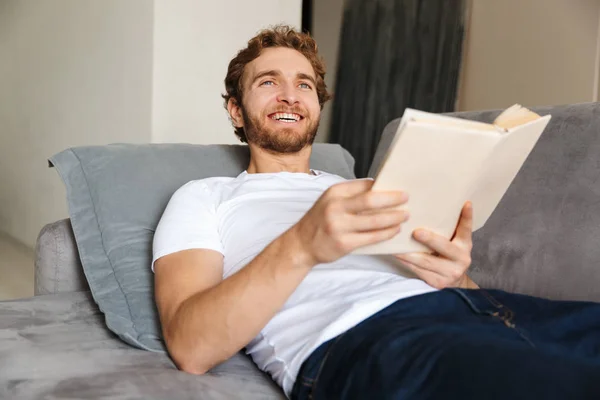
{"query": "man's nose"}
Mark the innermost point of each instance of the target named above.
(287, 94)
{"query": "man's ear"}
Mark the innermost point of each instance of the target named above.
(235, 112)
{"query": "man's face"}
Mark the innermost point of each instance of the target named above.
(280, 107)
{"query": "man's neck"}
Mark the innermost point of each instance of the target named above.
(262, 161)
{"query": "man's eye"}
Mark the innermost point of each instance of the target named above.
(266, 83)
(305, 86)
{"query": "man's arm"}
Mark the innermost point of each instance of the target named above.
(206, 320)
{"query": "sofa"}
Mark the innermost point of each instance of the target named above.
(75, 338)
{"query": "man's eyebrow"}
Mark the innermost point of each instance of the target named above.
(262, 74)
(307, 77)
(273, 72)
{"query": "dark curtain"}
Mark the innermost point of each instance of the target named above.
(393, 54)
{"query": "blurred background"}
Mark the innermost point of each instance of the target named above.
(89, 72)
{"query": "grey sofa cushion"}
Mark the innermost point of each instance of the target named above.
(116, 195)
(544, 237)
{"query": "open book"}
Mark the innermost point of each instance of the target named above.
(443, 161)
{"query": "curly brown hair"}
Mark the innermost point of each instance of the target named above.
(277, 36)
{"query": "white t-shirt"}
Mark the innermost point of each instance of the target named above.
(239, 217)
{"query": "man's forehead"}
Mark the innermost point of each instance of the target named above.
(283, 60)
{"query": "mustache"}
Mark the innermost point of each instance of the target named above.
(289, 110)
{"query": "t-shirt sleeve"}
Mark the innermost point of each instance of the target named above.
(188, 222)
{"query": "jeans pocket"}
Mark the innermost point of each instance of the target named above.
(482, 302)
(479, 300)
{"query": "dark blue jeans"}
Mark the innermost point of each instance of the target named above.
(462, 344)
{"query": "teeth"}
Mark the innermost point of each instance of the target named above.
(286, 117)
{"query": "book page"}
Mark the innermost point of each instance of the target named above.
(435, 119)
(437, 166)
(515, 116)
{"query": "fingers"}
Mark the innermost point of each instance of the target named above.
(355, 196)
(440, 245)
(432, 278)
(373, 221)
(459, 248)
(429, 262)
(464, 229)
(351, 188)
(359, 239)
(374, 200)
(432, 267)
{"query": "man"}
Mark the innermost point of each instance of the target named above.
(263, 261)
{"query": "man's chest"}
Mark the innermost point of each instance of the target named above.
(249, 222)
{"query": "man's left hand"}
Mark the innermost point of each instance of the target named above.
(448, 265)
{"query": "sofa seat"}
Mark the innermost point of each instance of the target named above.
(57, 346)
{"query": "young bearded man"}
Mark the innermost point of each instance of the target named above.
(263, 261)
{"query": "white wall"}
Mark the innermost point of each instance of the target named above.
(84, 72)
(193, 44)
(533, 52)
(72, 72)
(326, 29)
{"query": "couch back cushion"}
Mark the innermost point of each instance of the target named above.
(116, 195)
(544, 237)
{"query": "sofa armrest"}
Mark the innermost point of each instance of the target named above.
(57, 264)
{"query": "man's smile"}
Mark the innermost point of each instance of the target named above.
(287, 118)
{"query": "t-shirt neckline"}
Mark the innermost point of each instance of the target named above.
(314, 173)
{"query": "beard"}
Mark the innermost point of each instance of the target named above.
(282, 140)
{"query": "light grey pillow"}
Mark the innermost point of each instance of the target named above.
(116, 195)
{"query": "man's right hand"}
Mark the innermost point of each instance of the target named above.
(347, 216)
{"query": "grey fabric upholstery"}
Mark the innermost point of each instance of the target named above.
(57, 264)
(58, 347)
(544, 237)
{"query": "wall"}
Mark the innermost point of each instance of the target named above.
(72, 72)
(193, 44)
(84, 72)
(534, 52)
(327, 24)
